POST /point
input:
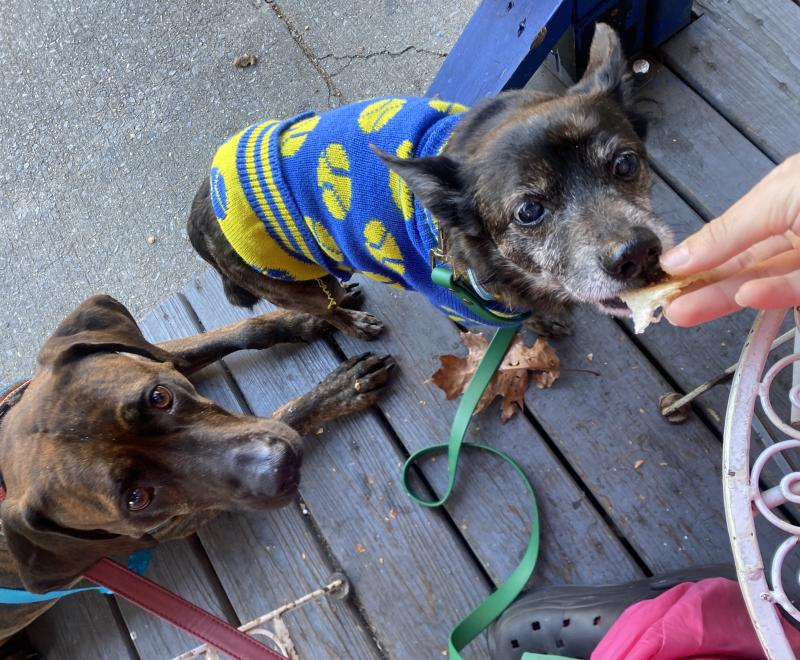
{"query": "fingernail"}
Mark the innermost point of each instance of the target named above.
(676, 257)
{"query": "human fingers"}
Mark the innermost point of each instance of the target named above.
(771, 208)
(720, 298)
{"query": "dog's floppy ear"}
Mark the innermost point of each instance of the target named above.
(606, 71)
(99, 324)
(436, 181)
(47, 556)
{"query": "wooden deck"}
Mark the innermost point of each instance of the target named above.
(726, 107)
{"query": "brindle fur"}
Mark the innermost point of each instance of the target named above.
(82, 435)
(516, 146)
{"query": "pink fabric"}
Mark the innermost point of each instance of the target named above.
(705, 620)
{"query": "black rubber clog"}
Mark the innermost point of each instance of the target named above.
(571, 620)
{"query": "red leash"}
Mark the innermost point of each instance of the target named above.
(179, 612)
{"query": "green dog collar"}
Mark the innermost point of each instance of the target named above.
(444, 277)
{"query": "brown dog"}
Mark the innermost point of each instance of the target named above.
(542, 200)
(99, 454)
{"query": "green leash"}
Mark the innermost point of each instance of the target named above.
(496, 603)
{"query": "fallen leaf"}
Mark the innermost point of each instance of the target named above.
(521, 364)
(455, 372)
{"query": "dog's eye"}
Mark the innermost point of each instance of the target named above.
(529, 213)
(626, 165)
(160, 397)
(139, 498)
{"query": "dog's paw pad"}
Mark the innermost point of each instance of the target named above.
(365, 326)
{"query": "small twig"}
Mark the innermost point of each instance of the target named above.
(275, 615)
(716, 380)
(583, 371)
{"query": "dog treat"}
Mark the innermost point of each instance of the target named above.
(646, 302)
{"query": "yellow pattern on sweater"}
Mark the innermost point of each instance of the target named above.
(243, 228)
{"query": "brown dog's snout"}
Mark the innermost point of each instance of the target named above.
(265, 471)
(634, 257)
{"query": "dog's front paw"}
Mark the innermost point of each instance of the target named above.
(553, 324)
(362, 325)
(353, 296)
(358, 382)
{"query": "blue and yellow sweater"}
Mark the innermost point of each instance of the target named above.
(306, 197)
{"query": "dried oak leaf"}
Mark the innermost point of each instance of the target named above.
(510, 381)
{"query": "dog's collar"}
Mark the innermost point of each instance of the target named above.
(468, 289)
(477, 288)
(8, 400)
(12, 395)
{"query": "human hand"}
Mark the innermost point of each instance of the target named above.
(753, 248)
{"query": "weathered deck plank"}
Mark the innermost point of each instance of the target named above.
(670, 508)
(266, 559)
(80, 626)
(744, 58)
(702, 156)
(490, 505)
(392, 552)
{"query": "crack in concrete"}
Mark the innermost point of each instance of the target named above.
(297, 36)
(381, 53)
(361, 55)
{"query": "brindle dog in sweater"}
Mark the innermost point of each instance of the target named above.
(106, 443)
(546, 199)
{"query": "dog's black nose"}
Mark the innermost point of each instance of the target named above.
(639, 254)
(266, 471)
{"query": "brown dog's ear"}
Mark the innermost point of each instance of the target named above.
(606, 71)
(47, 556)
(437, 182)
(99, 324)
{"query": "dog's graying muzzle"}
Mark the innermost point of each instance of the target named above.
(634, 257)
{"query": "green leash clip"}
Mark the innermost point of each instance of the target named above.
(477, 305)
(496, 603)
